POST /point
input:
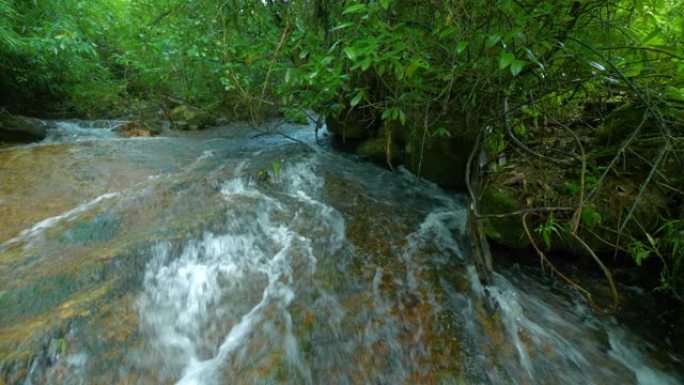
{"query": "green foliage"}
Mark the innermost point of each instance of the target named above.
(572, 189)
(639, 252)
(590, 217)
(549, 230)
(276, 168)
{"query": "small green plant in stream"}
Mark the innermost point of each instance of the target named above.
(548, 229)
(666, 245)
(669, 239)
(276, 168)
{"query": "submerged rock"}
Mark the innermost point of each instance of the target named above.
(133, 129)
(189, 118)
(15, 128)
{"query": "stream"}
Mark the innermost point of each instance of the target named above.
(230, 257)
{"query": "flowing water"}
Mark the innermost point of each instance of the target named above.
(225, 257)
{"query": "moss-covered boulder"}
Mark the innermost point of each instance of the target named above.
(441, 160)
(14, 128)
(189, 118)
(373, 149)
(507, 231)
(380, 149)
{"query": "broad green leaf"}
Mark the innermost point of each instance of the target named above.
(441, 132)
(520, 129)
(493, 39)
(385, 4)
(675, 94)
(411, 69)
(351, 53)
(573, 189)
(633, 70)
(446, 32)
(590, 218)
(356, 8)
(366, 63)
(517, 66)
(357, 98)
(461, 46)
(505, 60)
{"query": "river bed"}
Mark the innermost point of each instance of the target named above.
(230, 256)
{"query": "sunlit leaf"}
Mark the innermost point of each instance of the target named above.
(356, 8)
(596, 65)
(357, 99)
(341, 26)
(351, 53)
(505, 60)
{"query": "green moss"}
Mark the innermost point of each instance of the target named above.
(507, 231)
(100, 229)
(189, 118)
(440, 160)
(374, 149)
(35, 297)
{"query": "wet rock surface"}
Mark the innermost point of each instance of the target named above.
(170, 260)
(20, 129)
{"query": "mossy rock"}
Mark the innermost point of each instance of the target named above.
(507, 231)
(100, 229)
(440, 160)
(189, 118)
(375, 149)
(14, 128)
(354, 124)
